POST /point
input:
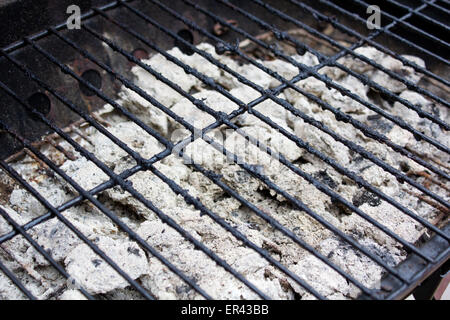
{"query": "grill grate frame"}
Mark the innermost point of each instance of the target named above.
(224, 119)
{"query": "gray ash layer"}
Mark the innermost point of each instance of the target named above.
(96, 276)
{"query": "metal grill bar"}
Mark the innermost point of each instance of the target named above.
(139, 91)
(420, 14)
(315, 13)
(407, 24)
(409, 43)
(222, 118)
(146, 96)
(115, 48)
(192, 48)
(339, 115)
(230, 229)
(131, 233)
(282, 159)
(233, 126)
(341, 89)
(379, 46)
(86, 195)
(137, 195)
(69, 204)
(39, 248)
(16, 282)
(237, 234)
(394, 149)
(279, 101)
(133, 154)
(95, 124)
(273, 222)
(432, 4)
(228, 123)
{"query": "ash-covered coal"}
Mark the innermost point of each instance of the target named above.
(96, 276)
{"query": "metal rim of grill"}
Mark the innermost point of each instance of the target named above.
(401, 282)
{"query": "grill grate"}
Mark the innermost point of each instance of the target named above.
(402, 281)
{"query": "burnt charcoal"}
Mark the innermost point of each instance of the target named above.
(134, 251)
(343, 209)
(404, 166)
(435, 110)
(366, 197)
(96, 262)
(377, 123)
(323, 177)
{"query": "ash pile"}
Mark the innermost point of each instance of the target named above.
(99, 278)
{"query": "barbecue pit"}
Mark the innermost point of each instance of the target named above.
(227, 150)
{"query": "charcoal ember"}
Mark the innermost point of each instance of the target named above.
(323, 177)
(377, 122)
(366, 197)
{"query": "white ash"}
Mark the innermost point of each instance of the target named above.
(97, 276)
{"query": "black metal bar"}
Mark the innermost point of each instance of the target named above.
(333, 195)
(70, 72)
(36, 47)
(16, 281)
(340, 115)
(301, 206)
(198, 76)
(86, 195)
(318, 15)
(222, 118)
(117, 49)
(89, 118)
(274, 223)
(406, 41)
(145, 95)
(422, 219)
(309, 178)
(94, 191)
(432, 4)
(234, 127)
(382, 48)
(328, 82)
(238, 235)
(277, 127)
(407, 24)
(399, 175)
(86, 54)
(69, 204)
(420, 14)
(126, 82)
(86, 116)
(61, 218)
(39, 248)
(43, 34)
(201, 105)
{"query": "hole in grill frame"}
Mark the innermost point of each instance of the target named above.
(93, 77)
(40, 102)
(188, 36)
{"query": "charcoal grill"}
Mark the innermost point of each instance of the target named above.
(54, 79)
